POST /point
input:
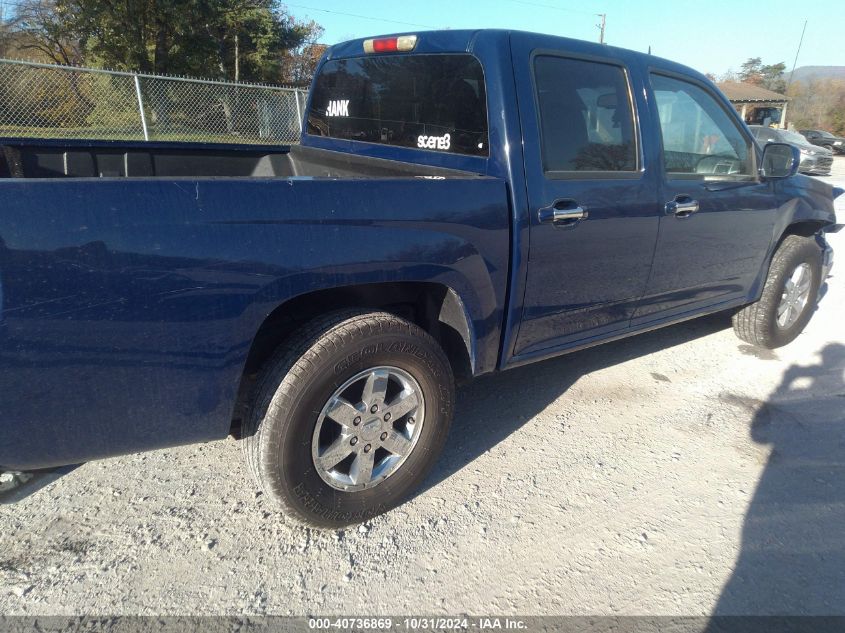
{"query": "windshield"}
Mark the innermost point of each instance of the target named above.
(792, 137)
(432, 102)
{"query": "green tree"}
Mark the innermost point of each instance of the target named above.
(773, 77)
(251, 36)
(161, 36)
(231, 39)
(769, 76)
(750, 71)
(299, 62)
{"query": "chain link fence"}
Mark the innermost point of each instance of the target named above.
(51, 101)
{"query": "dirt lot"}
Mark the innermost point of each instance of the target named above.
(678, 472)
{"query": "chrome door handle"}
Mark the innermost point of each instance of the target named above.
(682, 206)
(562, 216)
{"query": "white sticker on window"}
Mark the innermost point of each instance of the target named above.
(434, 142)
(338, 108)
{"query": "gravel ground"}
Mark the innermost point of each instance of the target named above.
(677, 472)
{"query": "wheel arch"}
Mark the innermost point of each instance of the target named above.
(435, 307)
(801, 226)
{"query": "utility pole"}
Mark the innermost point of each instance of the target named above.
(237, 59)
(794, 63)
(600, 27)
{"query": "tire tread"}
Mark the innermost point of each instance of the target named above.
(754, 323)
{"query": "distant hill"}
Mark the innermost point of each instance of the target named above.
(806, 73)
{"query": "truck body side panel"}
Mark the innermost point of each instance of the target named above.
(128, 306)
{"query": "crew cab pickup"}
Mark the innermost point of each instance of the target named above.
(462, 202)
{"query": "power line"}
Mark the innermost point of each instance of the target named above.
(363, 17)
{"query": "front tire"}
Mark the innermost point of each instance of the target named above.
(349, 417)
(789, 296)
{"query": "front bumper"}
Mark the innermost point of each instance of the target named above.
(816, 165)
(827, 260)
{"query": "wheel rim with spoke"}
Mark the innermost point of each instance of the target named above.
(368, 428)
(796, 294)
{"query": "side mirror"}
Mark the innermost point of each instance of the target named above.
(780, 160)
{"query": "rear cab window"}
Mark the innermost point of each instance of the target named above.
(434, 102)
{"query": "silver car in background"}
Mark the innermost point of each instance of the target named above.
(815, 161)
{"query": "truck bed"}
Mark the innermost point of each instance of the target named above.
(40, 158)
(129, 306)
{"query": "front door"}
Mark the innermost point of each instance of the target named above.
(718, 219)
(593, 206)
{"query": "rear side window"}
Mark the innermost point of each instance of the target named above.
(432, 102)
(699, 138)
(586, 119)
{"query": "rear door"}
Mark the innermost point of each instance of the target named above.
(718, 218)
(593, 205)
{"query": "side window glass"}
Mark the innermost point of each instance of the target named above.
(699, 138)
(764, 136)
(586, 121)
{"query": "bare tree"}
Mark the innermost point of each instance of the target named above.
(46, 30)
(818, 103)
(8, 21)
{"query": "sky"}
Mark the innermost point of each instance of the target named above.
(708, 35)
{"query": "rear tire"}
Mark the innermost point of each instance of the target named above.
(780, 316)
(323, 368)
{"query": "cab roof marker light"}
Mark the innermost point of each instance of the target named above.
(402, 44)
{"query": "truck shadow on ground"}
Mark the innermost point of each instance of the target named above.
(792, 558)
(491, 408)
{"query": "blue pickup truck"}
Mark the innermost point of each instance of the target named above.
(462, 202)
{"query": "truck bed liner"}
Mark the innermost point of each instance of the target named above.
(38, 158)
